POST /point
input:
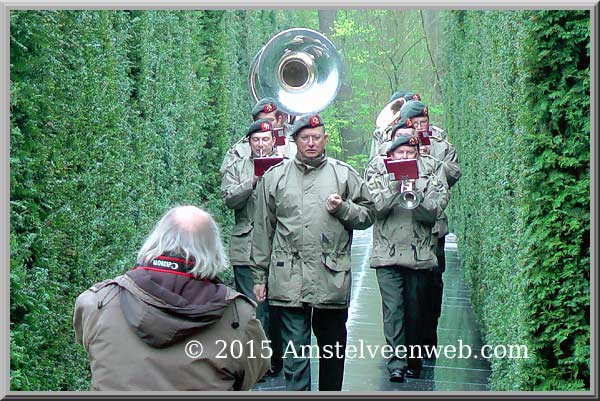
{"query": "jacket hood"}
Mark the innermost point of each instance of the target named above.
(163, 308)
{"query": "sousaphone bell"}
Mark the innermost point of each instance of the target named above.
(299, 68)
(390, 114)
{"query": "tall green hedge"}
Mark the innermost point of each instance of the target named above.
(517, 95)
(115, 116)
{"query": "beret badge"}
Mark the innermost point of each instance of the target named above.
(269, 107)
(265, 127)
(315, 121)
(413, 141)
(416, 97)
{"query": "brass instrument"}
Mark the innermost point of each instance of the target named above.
(299, 68)
(409, 199)
(387, 117)
(390, 114)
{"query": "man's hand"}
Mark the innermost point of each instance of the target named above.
(334, 201)
(260, 292)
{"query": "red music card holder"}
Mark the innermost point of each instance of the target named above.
(402, 168)
(262, 164)
(279, 136)
(424, 137)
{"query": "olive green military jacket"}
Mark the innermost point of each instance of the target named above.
(437, 131)
(303, 249)
(431, 164)
(380, 137)
(437, 168)
(444, 151)
(239, 150)
(238, 194)
(404, 237)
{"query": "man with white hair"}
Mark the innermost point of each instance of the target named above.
(168, 323)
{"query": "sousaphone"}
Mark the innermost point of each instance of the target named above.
(390, 114)
(299, 68)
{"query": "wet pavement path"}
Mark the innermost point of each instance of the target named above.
(365, 327)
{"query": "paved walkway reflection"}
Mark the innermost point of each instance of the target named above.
(365, 325)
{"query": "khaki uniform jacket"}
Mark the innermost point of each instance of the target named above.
(119, 360)
(238, 194)
(380, 137)
(437, 131)
(404, 237)
(237, 151)
(444, 151)
(436, 167)
(305, 250)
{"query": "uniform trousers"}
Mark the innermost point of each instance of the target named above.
(436, 290)
(404, 294)
(329, 326)
(244, 283)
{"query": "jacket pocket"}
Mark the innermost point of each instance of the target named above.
(240, 230)
(281, 285)
(337, 263)
(335, 278)
(424, 251)
(240, 243)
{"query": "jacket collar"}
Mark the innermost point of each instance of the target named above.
(309, 164)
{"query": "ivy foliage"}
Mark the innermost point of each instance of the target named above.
(519, 117)
(558, 220)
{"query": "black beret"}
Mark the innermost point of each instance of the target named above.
(403, 140)
(260, 125)
(266, 105)
(307, 121)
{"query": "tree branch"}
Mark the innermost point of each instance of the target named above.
(429, 51)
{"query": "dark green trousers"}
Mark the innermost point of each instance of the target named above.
(404, 303)
(329, 326)
(436, 291)
(244, 283)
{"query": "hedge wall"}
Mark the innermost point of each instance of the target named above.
(517, 86)
(115, 116)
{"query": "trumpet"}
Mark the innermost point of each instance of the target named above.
(409, 199)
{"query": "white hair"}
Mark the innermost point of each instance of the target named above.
(191, 233)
